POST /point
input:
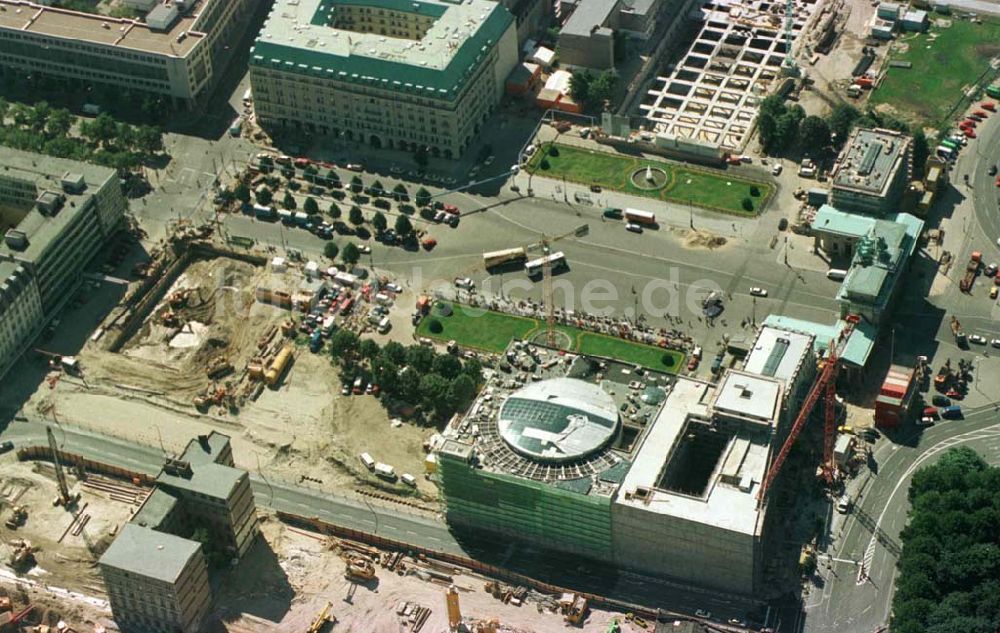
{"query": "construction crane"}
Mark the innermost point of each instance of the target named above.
(64, 499)
(788, 66)
(547, 295)
(826, 386)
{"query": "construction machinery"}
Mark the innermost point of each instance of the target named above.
(65, 498)
(22, 555)
(215, 396)
(17, 518)
(825, 387)
(547, 295)
(219, 367)
(573, 607)
(322, 618)
(359, 568)
(956, 329)
(9, 620)
(971, 270)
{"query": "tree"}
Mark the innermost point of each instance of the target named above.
(39, 115)
(921, 150)
(473, 369)
(355, 215)
(4, 107)
(310, 206)
(447, 366)
(409, 385)
(379, 223)
(579, 85)
(368, 349)
(332, 176)
(242, 192)
(403, 225)
(101, 131)
(149, 139)
(602, 89)
(386, 374)
(747, 204)
(814, 133)
(841, 121)
(395, 352)
(356, 184)
(124, 136)
(288, 202)
(343, 344)
(377, 188)
(420, 358)
(461, 391)
(421, 157)
(350, 254)
(20, 114)
(59, 123)
(264, 196)
(334, 210)
(433, 392)
(330, 250)
(423, 197)
(400, 193)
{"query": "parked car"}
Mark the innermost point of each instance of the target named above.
(758, 292)
(941, 401)
(925, 421)
(994, 291)
(595, 188)
(995, 342)
(776, 170)
(993, 170)
(702, 613)
(465, 283)
(991, 270)
(6, 447)
(632, 226)
(844, 504)
(977, 339)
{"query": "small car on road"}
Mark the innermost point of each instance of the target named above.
(977, 339)
(995, 342)
(632, 226)
(758, 292)
(465, 283)
(776, 170)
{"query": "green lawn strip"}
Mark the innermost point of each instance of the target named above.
(699, 187)
(942, 67)
(649, 356)
(493, 332)
(479, 329)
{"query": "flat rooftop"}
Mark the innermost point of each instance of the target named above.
(588, 15)
(101, 29)
(46, 174)
(749, 396)
(682, 438)
(146, 552)
(299, 37)
(208, 479)
(778, 353)
(870, 160)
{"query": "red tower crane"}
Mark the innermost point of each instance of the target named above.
(826, 386)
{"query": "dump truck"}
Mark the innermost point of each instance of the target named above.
(971, 270)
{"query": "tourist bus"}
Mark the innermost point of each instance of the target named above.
(506, 256)
(556, 261)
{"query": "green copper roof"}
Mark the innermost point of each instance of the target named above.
(297, 38)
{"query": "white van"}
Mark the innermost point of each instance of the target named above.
(385, 471)
(367, 460)
(836, 274)
(409, 480)
(384, 325)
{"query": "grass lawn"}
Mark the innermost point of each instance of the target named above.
(493, 331)
(699, 187)
(942, 67)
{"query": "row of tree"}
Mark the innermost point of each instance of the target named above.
(439, 384)
(56, 132)
(949, 569)
(784, 127)
(593, 90)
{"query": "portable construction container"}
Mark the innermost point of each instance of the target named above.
(367, 460)
(385, 471)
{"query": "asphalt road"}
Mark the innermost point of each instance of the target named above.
(869, 536)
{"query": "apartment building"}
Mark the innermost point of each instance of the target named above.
(175, 50)
(156, 582)
(399, 74)
(55, 215)
(201, 489)
(872, 172)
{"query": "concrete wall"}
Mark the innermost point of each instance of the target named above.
(594, 51)
(690, 552)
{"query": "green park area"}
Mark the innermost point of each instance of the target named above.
(493, 331)
(714, 190)
(945, 61)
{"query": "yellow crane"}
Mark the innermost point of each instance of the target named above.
(321, 619)
(547, 298)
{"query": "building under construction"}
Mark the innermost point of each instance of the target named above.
(711, 95)
(649, 472)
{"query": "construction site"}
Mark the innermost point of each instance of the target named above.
(196, 346)
(741, 53)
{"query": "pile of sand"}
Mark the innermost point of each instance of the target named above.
(703, 239)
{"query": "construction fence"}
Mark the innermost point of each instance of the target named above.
(78, 461)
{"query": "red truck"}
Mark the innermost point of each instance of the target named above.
(971, 270)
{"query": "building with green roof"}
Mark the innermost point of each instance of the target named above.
(880, 251)
(399, 74)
